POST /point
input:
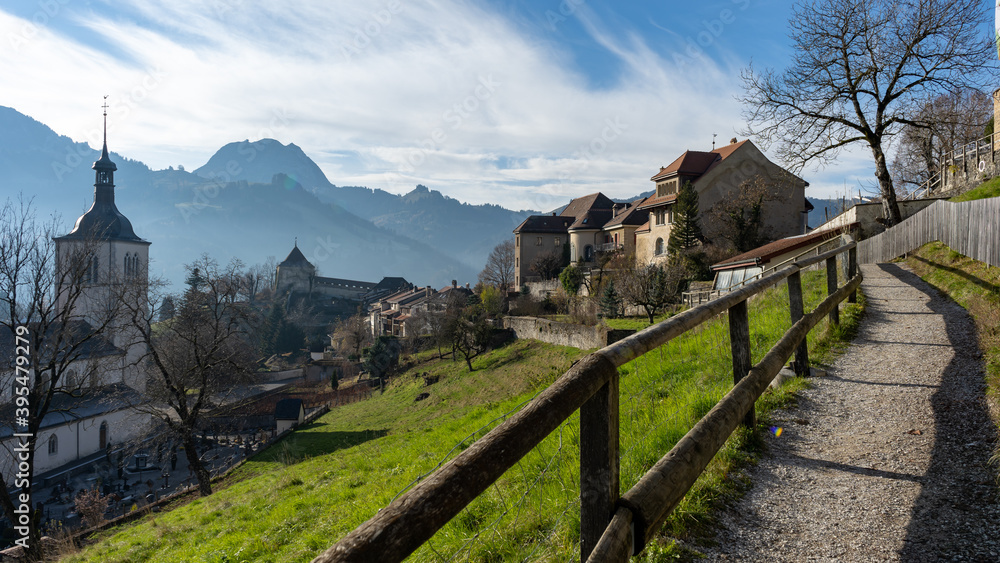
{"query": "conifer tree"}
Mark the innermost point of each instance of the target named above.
(686, 231)
(611, 301)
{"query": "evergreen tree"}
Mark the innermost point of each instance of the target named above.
(611, 301)
(686, 231)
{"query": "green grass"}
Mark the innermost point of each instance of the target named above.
(989, 188)
(298, 497)
(635, 323)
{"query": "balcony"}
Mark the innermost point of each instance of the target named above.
(609, 247)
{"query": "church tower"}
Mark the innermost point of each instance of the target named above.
(114, 255)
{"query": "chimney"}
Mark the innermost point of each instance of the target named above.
(454, 283)
(553, 213)
(732, 141)
(466, 285)
(614, 210)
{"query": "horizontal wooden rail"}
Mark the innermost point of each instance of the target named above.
(414, 516)
(643, 508)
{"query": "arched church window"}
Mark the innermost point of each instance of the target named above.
(53, 445)
(94, 269)
(71, 379)
(659, 246)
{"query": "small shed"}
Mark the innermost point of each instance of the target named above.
(289, 413)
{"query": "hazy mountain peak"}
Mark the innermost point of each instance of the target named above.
(260, 161)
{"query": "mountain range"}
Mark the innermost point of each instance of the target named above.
(252, 200)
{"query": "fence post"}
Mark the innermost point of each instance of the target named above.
(739, 338)
(852, 270)
(797, 309)
(831, 287)
(598, 464)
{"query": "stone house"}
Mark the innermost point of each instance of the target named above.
(718, 175)
(588, 226)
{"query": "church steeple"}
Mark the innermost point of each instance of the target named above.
(104, 178)
(103, 220)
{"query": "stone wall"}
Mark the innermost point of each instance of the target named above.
(869, 214)
(564, 334)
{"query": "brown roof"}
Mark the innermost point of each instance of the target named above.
(697, 163)
(545, 224)
(630, 215)
(592, 219)
(763, 254)
(657, 201)
(643, 228)
(581, 205)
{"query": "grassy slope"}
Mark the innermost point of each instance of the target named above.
(295, 499)
(990, 188)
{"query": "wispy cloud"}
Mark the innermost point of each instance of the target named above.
(435, 93)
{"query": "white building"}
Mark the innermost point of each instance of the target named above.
(107, 378)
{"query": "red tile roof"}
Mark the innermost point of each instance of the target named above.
(697, 163)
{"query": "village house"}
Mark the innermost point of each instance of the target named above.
(588, 226)
(394, 315)
(593, 225)
(718, 175)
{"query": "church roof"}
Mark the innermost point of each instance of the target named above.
(103, 221)
(295, 258)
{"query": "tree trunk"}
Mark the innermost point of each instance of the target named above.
(194, 463)
(889, 204)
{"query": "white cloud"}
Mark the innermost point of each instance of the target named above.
(431, 93)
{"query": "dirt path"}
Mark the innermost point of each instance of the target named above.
(886, 457)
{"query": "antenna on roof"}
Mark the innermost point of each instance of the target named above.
(714, 135)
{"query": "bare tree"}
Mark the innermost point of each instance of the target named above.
(858, 69)
(651, 286)
(740, 219)
(197, 359)
(353, 334)
(499, 269)
(48, 341)
(547, 265)
(952, 119)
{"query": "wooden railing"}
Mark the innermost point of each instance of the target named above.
(613, 526)
(976, 151)
(969, 227)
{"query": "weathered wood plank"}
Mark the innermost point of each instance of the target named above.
(599, 489)
(831, 287)
(795, 306)
(739, 338)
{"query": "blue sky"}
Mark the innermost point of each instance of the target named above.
(524, 104)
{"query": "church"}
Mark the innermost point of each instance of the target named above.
(107, 377)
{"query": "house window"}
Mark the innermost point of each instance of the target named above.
(538, 241)
(659, 246)
(670, 216)
(53, 445)
(517, 241)
(660, 217)
(588, 253)
(557, 241)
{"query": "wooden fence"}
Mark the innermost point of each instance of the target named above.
(613, 526)
(969, 227)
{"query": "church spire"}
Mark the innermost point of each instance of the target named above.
(104, 180)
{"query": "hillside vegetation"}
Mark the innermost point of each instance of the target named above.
(990, 188)
(295, 499)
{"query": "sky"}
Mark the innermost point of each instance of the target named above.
(525, 104)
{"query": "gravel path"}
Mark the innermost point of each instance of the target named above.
(886, 457)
